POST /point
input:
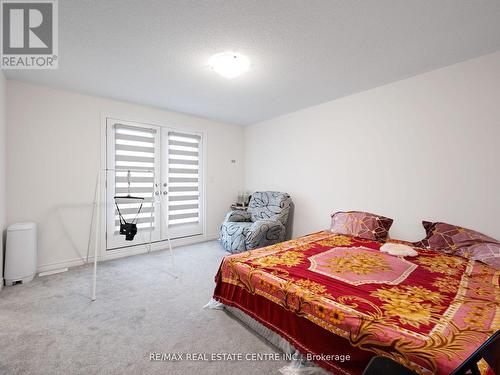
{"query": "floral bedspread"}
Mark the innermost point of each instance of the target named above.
(428, 312)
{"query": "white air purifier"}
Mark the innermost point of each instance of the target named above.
(21, 253)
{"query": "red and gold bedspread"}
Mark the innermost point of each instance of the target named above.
(331, 294)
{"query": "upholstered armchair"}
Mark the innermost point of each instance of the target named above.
(264, 223)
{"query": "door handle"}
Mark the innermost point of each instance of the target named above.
(165, 192)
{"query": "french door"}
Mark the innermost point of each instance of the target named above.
(164, 167)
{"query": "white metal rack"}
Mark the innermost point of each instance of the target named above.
(97, 212)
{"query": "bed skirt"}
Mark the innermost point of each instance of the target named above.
(297, 366)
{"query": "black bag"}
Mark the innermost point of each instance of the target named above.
(128, 229)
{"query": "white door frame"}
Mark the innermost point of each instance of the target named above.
(183, 231)
(132, 250)
(115, 241)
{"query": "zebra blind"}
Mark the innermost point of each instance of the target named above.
(135, 152)
(183, 178)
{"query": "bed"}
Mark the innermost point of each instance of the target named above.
(334, 295)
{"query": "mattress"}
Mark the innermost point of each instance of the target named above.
(333, 296)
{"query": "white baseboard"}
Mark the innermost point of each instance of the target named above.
(124, 252)
(58, 265)
(53, 272)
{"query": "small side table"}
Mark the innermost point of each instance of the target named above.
(237, 207)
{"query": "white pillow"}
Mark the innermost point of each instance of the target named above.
(398, 249)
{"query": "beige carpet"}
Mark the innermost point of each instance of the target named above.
(49, 326)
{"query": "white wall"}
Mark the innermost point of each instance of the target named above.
(426, 147)
(3, 163)
(53, 151)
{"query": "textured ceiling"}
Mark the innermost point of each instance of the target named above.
(303, 52)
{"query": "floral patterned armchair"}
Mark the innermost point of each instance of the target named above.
(264, 223)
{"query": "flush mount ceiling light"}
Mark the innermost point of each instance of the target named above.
(229, 64)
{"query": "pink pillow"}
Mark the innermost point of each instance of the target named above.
(486, 252)
(468, 243)
(361, 224)
(448, 238)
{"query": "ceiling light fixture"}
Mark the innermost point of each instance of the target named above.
(229, 64)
